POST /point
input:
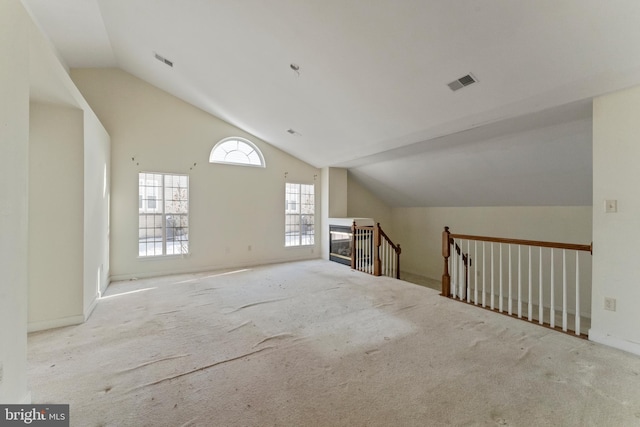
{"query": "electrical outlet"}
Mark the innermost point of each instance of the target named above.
(609, 304)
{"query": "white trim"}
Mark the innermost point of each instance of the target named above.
(55, 323)
(615, 342)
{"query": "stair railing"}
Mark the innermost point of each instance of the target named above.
(373, 251)
(552, 281)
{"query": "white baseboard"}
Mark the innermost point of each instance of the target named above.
(195, 270)
(615, 342)
(54, 323)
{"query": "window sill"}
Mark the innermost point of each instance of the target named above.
(163, 257)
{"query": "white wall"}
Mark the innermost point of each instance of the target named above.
(97, 191)
(232, 208)
(14, 167)
(56, 193)
(361, 203)
(338, 197)
(51, 85)
(616, 174)
(31, 72)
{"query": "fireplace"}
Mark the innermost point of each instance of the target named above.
(340, 239)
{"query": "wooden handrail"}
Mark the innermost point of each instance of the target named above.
(537, 243)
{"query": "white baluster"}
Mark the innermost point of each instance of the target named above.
(461, 275)
(455, 270)
(360, 252)
(500, 272)
(530, 311)
(451, 268)
(365, 250)
(357, 249)
(484, 279)
(552, 308)
(389, 260)
(492, 277)
(366, 260)
(564, 290)
(475, 272)
(371, 248)
(468, 272)
(383, 258)
(540, 300)
(519, 282)
(392, 262)
(510, 302)
(577, 293)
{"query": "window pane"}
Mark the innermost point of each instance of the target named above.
(299, 214)
(163, 219)
(236, 151)
(236, 157)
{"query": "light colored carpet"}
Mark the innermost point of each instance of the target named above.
(315, 344)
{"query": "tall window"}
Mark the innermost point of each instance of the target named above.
(163, 209)
(299, 211)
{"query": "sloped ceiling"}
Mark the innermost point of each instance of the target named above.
(371, 93)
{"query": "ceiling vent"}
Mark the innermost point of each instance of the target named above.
(462, 82)
(163, 59)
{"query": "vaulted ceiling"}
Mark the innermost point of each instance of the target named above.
(371, 90)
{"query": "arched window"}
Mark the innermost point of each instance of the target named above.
(237, 151)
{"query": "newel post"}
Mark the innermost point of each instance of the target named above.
(353, 245)
(377, 264)
(446, 253)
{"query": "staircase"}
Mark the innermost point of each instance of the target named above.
(373, 252)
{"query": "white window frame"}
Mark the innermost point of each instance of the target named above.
(299, 215)
(237, 151)
(163, 226)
